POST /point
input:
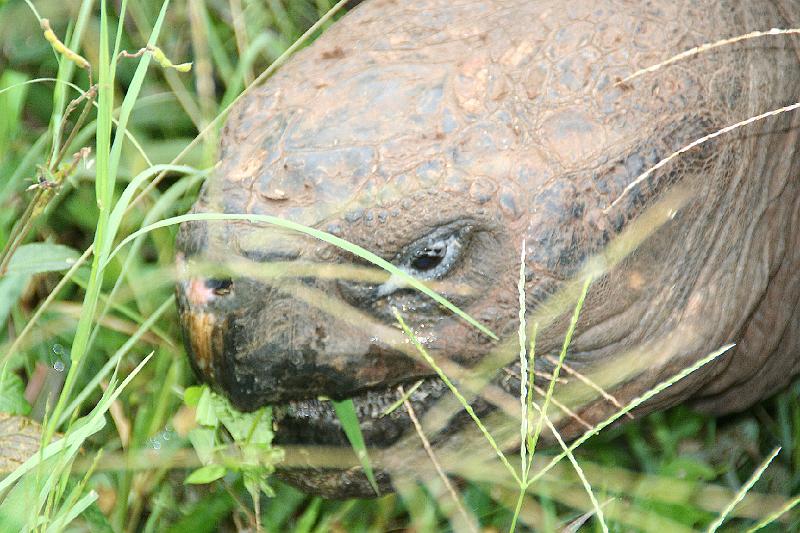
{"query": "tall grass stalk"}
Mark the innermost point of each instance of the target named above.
(530, 439)
(107, 167)
(524, 371)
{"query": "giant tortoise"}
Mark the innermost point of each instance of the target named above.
(446, 138)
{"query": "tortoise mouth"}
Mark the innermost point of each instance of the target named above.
(314, 423)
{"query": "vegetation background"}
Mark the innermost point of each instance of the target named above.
(673, 471)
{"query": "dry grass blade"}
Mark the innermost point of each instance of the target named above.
(272, 271)
(403, 398)
(791, 504)
(112, 323)
(523, 368)
(743, 491)
(540, 391)
(569, 412)
(708, 46)
(121, 421)
(633, 404)
(432, 456)
(598, 509)
(204, 74)
(240, 33)
(591, 384)
(644, 175)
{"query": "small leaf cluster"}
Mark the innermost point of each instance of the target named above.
(228, 441)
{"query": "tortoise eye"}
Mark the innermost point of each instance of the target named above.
(430, 257)
(435, 256)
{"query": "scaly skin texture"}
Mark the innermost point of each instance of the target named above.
(482, 124)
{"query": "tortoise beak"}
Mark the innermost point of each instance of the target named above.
(260, 344)
(199, 325)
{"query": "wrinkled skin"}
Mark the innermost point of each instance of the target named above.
(464, 129)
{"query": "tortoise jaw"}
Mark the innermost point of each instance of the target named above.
(337, 483)
(383, 422)
(314, 423)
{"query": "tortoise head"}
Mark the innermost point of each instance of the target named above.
(442, 146)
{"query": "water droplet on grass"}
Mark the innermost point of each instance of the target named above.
(60, 358)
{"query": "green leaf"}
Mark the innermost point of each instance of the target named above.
(11, 288)
(11, 102)
(202, 440)
(213, 409)
(191, 396)
(41, 257)
(206, 409)
(252, 428)
(346, 411)
(206, 474)
(251, 432)
(12, 394)
(255, 480)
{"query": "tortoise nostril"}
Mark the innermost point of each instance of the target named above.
(220, 287)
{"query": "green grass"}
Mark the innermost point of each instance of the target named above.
(124, 370)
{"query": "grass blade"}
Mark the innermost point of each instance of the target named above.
(791, 504)
(633, 404)
(463, 401)
(346, 411)
(743, 491)
(107, 162)
(317, 234)
(533, 440)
